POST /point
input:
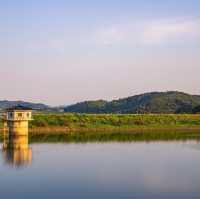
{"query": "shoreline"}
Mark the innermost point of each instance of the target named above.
(113, 127)
(67, 130)
(83, 135)
(141, 129)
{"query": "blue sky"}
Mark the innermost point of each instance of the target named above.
(61, 52)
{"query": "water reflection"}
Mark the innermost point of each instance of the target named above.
(104, 170)
(195, 146)
(16, 151)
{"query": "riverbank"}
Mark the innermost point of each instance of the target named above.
(77, 122)
(114, 136)
(113, 127)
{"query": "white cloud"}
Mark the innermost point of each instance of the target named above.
(149, 32)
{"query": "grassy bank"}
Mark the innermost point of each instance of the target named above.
(74, 121)
(109, 122)
(84, 137)
(113, 136)
(113, 127)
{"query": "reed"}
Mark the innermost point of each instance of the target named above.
(114, 137)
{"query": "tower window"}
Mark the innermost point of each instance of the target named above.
(19, 114)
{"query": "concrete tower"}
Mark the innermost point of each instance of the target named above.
(17, 119)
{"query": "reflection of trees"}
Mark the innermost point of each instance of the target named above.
(16, 151)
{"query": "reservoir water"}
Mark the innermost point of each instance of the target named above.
(165, 169)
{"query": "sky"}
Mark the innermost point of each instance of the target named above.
(60, 52)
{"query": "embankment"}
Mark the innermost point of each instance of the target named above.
(116, 127)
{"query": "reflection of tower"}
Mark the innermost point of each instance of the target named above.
(15, 148)
(16, 151)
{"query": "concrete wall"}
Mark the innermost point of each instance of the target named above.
(18, 128)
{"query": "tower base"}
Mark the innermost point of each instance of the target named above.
(18, 128)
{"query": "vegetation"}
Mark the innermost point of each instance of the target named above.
(196, 109)
(155, 102)
(106, 122)
(36, 106)
(113, 122)
(113, 136)
(82, 137)
(74, 127)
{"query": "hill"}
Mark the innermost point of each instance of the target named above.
(35, 106)
(196, 109)
(154, 102)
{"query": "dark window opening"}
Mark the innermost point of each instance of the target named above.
(19, 114)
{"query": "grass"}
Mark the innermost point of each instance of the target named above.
(113, 127)
(73, 121)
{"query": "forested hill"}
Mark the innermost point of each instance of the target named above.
(155, 102)
(35, 106)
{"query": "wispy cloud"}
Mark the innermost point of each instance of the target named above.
(149, 32)
(141, 32)
(162, 31)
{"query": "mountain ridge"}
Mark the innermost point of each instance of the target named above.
(151, 102)
(4, 104)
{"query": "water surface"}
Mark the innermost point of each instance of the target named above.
(103, 170)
